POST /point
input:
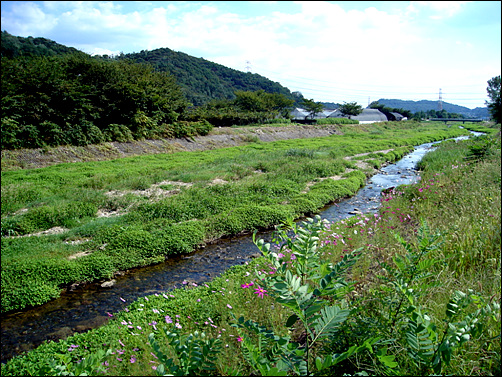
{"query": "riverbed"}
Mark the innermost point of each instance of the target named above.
(86, 307)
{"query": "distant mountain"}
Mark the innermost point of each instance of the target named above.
(425, 105)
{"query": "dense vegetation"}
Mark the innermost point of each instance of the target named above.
(412, 290)
(270, 177)
(79, 100)
(203, 81)
(55, 95)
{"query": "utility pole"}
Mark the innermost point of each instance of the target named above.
(248, 66)
(440, 102)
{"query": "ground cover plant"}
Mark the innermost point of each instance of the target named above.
(207, 195)
(411, 290)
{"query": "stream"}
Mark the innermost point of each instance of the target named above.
(86, 307)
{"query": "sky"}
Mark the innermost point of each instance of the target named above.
(330, 51)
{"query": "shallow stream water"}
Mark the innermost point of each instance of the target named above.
(86, 307)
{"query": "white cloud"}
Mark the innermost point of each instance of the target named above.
(327, 51)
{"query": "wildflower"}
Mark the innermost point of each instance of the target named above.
(155, 311)
(151, 353)
(164, 295)
(178, 325)
(154, 367)
(168, 319)
(239, 339)
(198, 300)
(109, 314)
(133, 359)
(247, 285)
(260, 292)
(122, 344)
(228, 306)
(119, 359)
(122, 299)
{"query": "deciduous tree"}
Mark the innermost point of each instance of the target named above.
(494, 104)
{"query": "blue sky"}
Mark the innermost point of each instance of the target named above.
(333, 51)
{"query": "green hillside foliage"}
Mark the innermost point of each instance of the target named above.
(203, 81)
(56, 95)
(13, 46)
(77, 99)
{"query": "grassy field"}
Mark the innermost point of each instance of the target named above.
(429, 241)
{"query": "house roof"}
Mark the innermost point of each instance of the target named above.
(370, 115)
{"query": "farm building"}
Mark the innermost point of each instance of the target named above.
(398, 116)
(370, 116)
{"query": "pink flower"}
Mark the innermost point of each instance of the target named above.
(247, 285)
(168, 319)
(230, 307)
(260, 292)
(239, 339)
(133, 359)
(122, 299)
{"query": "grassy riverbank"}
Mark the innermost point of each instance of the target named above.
(88, 221)
(430, 241)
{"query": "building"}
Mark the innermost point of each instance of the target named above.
(370, 116)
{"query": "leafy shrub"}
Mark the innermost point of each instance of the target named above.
(118, 132)
(93, 267)
(27, 293)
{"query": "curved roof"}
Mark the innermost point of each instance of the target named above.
(371, 115)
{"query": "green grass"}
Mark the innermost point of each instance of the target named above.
(270, 176)
(458, 197)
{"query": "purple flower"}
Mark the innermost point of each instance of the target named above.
(133, 359)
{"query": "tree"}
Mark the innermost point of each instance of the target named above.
(494, 104)
(312, 107)
(351, 108)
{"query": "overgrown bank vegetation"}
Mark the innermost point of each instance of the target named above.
(173, 203)
(412, 290)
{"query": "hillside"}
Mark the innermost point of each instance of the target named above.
(13, 47)
(202, 80)
(425, 105)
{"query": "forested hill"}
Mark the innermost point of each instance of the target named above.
(13, 47)
(202, 80)
(425, 105)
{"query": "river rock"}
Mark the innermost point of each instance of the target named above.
(91, 323)
(108, 284)
(62, 333)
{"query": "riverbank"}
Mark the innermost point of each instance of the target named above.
(208, 195)
(217, 138)
(471, 240)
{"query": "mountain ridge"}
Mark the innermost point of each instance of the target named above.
(426, 105)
